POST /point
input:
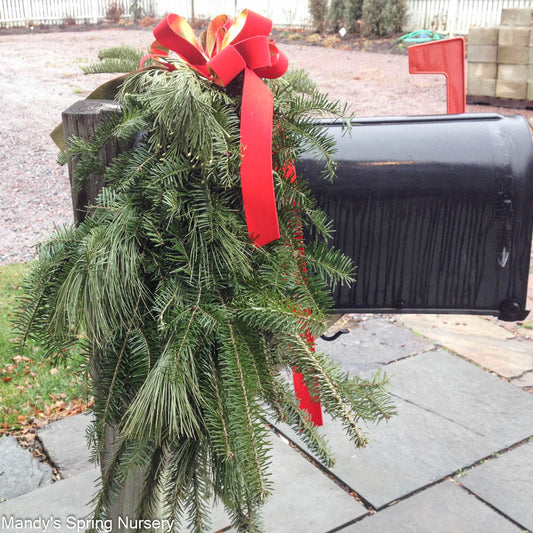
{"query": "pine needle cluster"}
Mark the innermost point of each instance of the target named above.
(116, 59)
(190, 327)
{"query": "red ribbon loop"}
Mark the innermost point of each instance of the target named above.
(226, 65)
(255, 52)
(175, 32)
(226, 51)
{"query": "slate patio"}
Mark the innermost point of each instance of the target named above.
(458, 457)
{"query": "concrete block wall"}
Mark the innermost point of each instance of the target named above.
(500, 59)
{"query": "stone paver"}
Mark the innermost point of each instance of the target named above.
(20, 472)
(65, 443)
(304, 498)
(374, 343)
(478, 339)
(65, 506)
(460, 391)
(64, 502)
(415, 448)
(443, 508)
(450, 415)
(525, 381)
(506, 482)
(301, 494)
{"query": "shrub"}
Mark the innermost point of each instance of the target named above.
(331, 41)
(394, 16)
(294, 37)
(148, 22)
(382, 17)
(313, 38)
(318, 10)
(336, 14)
(353, 11)
(136, 10)
(114, 12)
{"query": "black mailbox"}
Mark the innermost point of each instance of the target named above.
(437, 213)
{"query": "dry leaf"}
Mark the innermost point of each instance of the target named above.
(21, 359)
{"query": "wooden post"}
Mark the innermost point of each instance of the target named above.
(81, 120)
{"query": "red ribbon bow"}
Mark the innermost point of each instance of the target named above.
(225, 50)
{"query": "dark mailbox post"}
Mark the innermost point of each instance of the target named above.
(437, 213)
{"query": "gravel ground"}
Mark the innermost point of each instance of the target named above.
(41, 77)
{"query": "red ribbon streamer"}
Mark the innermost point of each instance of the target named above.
(227, 50)
(308, 402)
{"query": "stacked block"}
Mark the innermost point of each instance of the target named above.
(482, 67)
(500, 59)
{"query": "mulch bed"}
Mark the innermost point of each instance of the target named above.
(385, 45)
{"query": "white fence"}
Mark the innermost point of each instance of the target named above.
(456, 16)
(447, 16)
(35, 12)
(293, 13)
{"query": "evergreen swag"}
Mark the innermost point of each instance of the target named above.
(189, 326)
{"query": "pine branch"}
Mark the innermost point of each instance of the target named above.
(331, 265)
(286, 409)
(248, 434)
(116, 59)
(189, 323)
(153, 482)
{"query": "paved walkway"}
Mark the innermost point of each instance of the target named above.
(458, 457)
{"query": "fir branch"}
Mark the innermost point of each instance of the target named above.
(332, 266)
(168, 405)
(116, 59)
(109, 65)
(153, 482)
(189, 323)
(248, 433)
(285, 408)
(216, 416)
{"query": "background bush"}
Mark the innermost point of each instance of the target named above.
(353, 11)
(394, 16)
(319, 11)
(337, 11)
(382, 17)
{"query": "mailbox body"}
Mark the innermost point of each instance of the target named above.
(436, 212)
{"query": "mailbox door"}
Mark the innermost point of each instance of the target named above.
(436, 212)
